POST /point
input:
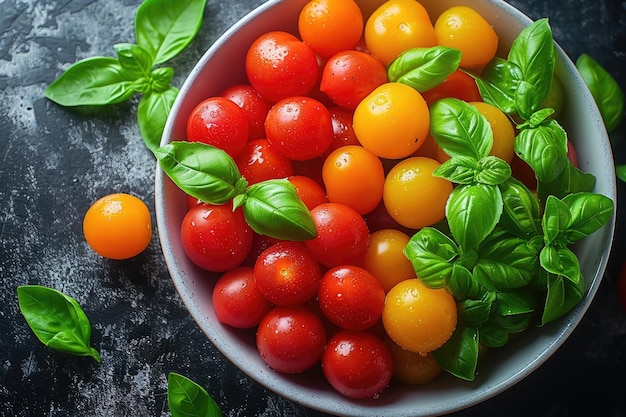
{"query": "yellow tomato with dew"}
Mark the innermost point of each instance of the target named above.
(385, 257)
(412, 367)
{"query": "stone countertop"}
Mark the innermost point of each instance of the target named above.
(54, 162)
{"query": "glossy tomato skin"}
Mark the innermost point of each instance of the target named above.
(259, 161)
(215, 237)
(299, 127)
(343, 132)
(342, 235)
(279, 65)
(237, 301)
(457, 85)
(253, 104)
(291, 339)
(219, 122)
(357, 364)
(351, 297)
(309, 191)
(287, 274)
(349, 76)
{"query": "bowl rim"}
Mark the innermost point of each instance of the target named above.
(557, 333)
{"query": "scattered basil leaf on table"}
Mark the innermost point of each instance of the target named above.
(162, 29)
(57, 320)
(185, 398)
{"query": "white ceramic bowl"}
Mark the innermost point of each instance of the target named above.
(223, 65)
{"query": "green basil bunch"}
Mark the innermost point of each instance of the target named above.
(503, 253)
(162, 30)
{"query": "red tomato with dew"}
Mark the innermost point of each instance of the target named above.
(259, 161)
(357, 364)
(343, 132)
(253, 104)
(351, 297)
(459, 85)
(237, 301)
(287, 274)
(219, 122)
(279, 65)
(309, 191)
(291, 339)
(299, 127)
(342, 235)
(349, 76)
(216, 237)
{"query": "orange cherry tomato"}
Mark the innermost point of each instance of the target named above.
(385, 258)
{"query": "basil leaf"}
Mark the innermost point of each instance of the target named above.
(136, 61)
(472, 212)
(476, 312)
(161, 78)
(556, 219)
(544, 148)
(604, 89)
(57, 320)
(152, 113)
(273, 208)
(510, 324)
(165, 28)
(562, 296)
(620, 171)
(461, 283)
(458, 170)
(561, 261)
(498, 84)
(520, 213)
(200, 170)
(459, 356)
(513, 303)
(533, 52)
(492, 170)
(431, 253)
(424, 68)
(185, 398)
(91, 82)
(589, 212)
(570, 180)
(493, 336)
(460, 129)
(505, 264)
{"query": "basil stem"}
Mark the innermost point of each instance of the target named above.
(57, 320)
(136, 61)
(604, 89)
(94, 81)
(273, 208)
(202, 171)
(424, 68)
(165, 28)
(185, 398)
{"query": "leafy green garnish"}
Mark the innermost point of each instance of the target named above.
(163, 29)
(57, 320)
(424, 68)
(185, 398)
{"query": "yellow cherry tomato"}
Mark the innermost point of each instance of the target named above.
(385, 258)
(412, 367)
(413, 196)
(392, 121)
(463, 28)
(418, 318)
(118, 226)
(398, 25)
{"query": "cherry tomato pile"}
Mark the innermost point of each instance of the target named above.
(319, 110)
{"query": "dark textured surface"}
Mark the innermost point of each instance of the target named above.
(55, 162)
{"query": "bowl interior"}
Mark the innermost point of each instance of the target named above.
(223, 65)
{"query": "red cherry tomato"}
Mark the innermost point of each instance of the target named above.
(291, 339)
(343, 133)
(349, 76)
(458, 85)
(357, 364)
(351, 297)
(216, 237)
(219, 122)
(342, 235)
(251, 102)
(286, 273)
(279, 65)
(237, 301)
(299, 127)
(309, 191)
(260, 161)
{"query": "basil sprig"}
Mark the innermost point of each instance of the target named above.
(57, 320)
(424, 68)
(500, 253)
(185, 398)
(271, 207)
(162, 29)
